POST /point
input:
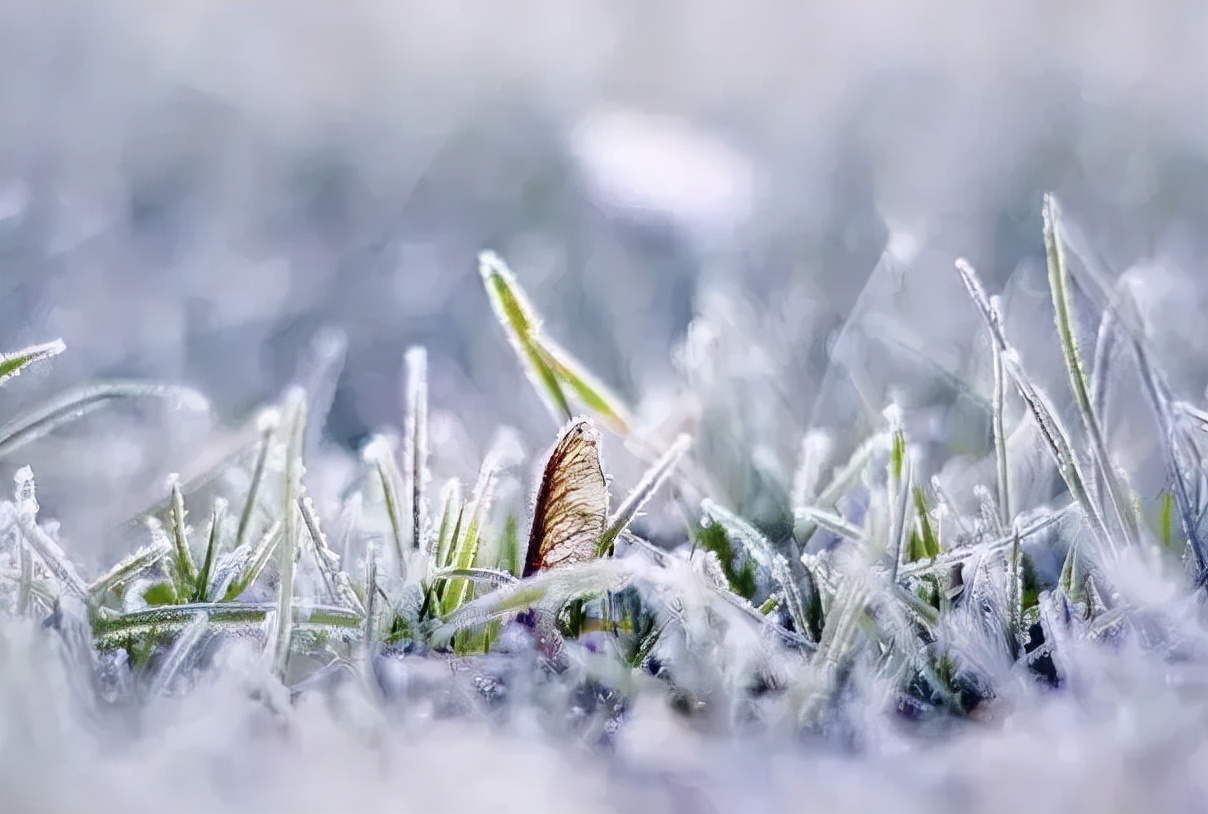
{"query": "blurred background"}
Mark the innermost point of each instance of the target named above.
(193, 192)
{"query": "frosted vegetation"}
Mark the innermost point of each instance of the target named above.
(899, 625)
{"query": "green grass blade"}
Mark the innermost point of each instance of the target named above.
(764, 553)
(465, 546)
(11, 364)
(184, 568)
(1059, 287)
(594, 395)
(1166, 519)
(450, 519)
(201, 592)
(929, 543)
(256, 561)
(520, 322)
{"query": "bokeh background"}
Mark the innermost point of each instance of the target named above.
(193, 192)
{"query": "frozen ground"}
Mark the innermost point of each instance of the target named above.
(194, 194)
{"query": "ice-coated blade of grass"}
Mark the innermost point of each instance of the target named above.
(946, 559)
(590, 391)
(247, 564)
(11, 364)
(1105, 346)
(201, 592)
(318, 375)
(829, 521)
(75, 404)
(450, 518)
(1056, 438)
(843, 479)
(1181, 458)
(900, 485)
(646, 487)
(328, 561)
(927, 544)
(1166, 519)
(181, 653)
(1059, 286)
(842, 621)
(267, 424)
(127, 569)
(491, 575)
(369, 631)
(25, 578)
(464, 548)
(547, 366)
(295, 412)
(520, 322)
(184, 568)
(998, 429)
(379, 454)
(760, 549)
(816, 448)
(510, 558)
(42, 544)
(117, 630)
(417, 445)
(551, 589)
(1131, 326)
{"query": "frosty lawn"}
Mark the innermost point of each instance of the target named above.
(876, 640)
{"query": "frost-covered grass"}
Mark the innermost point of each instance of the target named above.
(884, 630)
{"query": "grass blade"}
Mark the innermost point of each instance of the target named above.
(127, 569)
(417, 445)
(520, 322)
(594, 395)
(999, 431)
(647, 486)
(296, 413)
(1059, 287)
(547, 365)
(179, 656)
(379, 454)
(761, 550)
(449, 521)
(42, 544)
(368, 636)
(268, 426)
(80, 402)
(328, 561)
(256, 560)
(184, 568)
(1055, 436)
(464, 549)
(202, 591)
(11, 364)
